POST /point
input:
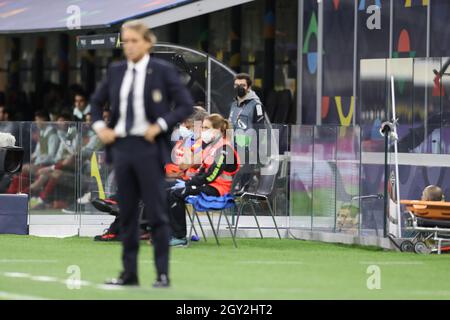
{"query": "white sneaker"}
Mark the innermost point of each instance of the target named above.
(85, 199)
(35, 201)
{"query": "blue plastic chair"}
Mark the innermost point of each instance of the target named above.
(204, 203)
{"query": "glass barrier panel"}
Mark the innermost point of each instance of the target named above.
(301, 176)
(52, 173)
(97, 181)
(263, 175)
(324, 178)
(347, 177)
(374, 93)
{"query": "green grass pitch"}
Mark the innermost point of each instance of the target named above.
(258, 269)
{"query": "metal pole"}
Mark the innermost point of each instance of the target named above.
(397, 181)
(386, 181)
(391, 29)
(300, 62)
(208, 85)
(355, 58)
(319, 64)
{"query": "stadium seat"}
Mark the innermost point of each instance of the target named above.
(261, 195)
(207, 204)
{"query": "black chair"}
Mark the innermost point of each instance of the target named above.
(194, 216)
(261, 195)
(192, 221)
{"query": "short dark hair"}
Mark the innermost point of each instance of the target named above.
(65, 115)
(42, 114)
(244, 76)
(80, 93)
(8, 111)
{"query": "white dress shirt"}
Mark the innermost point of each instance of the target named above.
(140, 123)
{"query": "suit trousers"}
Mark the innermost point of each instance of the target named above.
(140, 175)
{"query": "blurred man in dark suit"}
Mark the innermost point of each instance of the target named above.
(147, 99)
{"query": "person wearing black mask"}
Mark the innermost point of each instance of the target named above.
(246, 109)
(246, 114)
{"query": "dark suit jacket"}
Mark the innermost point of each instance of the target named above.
(164, 96)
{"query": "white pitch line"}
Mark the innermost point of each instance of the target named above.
(16, 275)
(66, 282)
(15, 296)
(26, 261)
(44, 279)
(108, 287)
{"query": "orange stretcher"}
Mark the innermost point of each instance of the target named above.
(438, 210)
(429, 225)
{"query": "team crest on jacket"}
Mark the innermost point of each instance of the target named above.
(157, 96)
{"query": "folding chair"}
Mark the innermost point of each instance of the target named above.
(191, 219)
(214, 230)
(262, 193)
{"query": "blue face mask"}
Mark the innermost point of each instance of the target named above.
(185, 132)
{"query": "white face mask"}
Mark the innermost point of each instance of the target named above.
(184, 132)
(207, 136)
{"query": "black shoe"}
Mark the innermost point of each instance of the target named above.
(124, 280)
(106, 205)
(162, 282)
(107, 236)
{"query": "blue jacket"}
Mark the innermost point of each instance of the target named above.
(161, 76)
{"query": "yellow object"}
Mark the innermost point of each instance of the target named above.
(95, 172)
(345, 119)
(408, 3)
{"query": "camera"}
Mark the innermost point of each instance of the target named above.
(11, 157)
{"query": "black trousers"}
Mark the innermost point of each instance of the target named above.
(177, 207)
(140, 175)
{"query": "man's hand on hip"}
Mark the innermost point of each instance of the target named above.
(152, 132)
(107, 136)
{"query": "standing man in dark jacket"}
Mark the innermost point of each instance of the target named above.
(246, 109)
(247, 117)
(141, 92)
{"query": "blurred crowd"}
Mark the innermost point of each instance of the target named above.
(65, 164)
(58, 141)
(53, 101)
